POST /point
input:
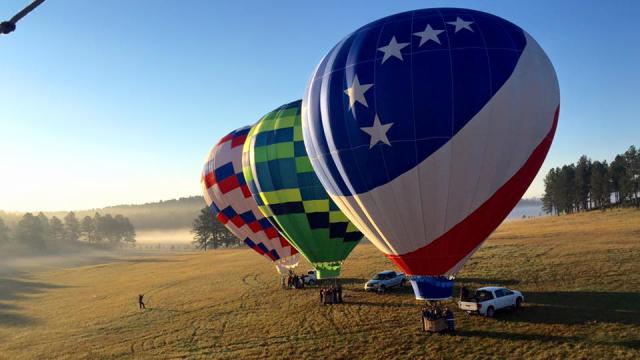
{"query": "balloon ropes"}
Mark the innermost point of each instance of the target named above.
(426, 128)
(7, 27)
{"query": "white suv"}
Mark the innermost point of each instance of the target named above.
(487, 300)
(385, 280)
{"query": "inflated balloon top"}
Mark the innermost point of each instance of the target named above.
(280, 176)
(426, 128)
(231, 203)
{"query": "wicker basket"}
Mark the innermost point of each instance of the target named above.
(436, 325)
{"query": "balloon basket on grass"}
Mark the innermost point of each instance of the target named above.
(330, 291)
(433, 290)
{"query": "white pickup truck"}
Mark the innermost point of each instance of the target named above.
(385, 280)
(487, 300)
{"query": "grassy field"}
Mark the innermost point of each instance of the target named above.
(580, 275)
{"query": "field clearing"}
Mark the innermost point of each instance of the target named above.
(580, 275)
(170, 236)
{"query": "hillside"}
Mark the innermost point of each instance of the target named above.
(169, 214)
(180, 213)
(580, 275)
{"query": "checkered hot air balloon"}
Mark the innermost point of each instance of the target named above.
(278, 172)
(231, 203)
(426, 128)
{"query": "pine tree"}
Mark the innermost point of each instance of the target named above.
(632, 157)
(203, 230)
(5, 236)
(549, 202)
(72, 227)
(88, 229)
(600, 184)
(583, 182)
(57, 233)
(30, 232)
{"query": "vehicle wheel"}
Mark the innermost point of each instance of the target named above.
(518, 303)
(382, 289)
(311, 282)
(491, 312)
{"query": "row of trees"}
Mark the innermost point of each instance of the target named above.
(589, 184)
(38, 232)
(209, 233)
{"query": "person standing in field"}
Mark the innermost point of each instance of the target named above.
(141, 301)
(464, 294)
(451, 325)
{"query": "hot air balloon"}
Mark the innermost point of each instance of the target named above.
(231, 203)
(278, 172)
(426, 128)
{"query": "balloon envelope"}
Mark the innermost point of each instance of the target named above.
(287, 190)
(231, 203)
(427, 127)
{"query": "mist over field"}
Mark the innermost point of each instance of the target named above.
(165, 236)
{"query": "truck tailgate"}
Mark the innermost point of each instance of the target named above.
(468, 305)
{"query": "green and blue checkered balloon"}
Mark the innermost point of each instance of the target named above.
(278, 172)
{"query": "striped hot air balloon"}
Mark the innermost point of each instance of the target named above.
(426, 128)
(231, 203)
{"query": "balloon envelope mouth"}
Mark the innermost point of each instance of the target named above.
(432, 288)
(327, 270)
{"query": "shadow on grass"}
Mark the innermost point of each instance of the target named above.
(150, 260)
(341, 281)
(632, 344)
(580, 307)
(10, 319)
(166, 310)
(516, 336)
(348, 301)
(486, 281)
(17, 290)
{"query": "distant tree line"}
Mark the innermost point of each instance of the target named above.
(208, 233)
(39, 233)
(588, 184)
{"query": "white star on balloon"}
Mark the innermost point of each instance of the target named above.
(356, 92)
(461, 24)
(392, 49)
(378, 132)
(427, 34)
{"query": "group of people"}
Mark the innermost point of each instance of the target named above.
(331, 295)
(293, 281)
(435, 312)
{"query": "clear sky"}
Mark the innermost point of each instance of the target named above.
(116, 101)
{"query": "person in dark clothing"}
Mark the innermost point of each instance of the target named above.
(141, 301)
(464, 294)
(451, 324)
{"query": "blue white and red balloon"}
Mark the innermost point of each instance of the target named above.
(426, 128)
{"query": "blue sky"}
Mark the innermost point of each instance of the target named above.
(114, 101)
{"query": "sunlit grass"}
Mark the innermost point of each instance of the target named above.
(580, 275)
